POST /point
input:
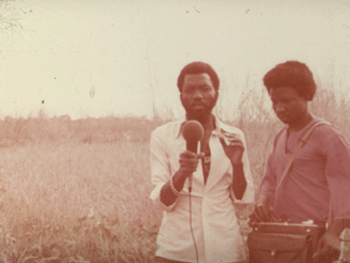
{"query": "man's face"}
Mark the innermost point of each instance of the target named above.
(198, 96)
(288, 104)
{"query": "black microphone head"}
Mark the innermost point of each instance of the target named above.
(193, 131)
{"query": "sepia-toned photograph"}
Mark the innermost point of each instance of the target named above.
(174, 131)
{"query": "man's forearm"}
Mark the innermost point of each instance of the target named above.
(239, 183)
(337, 226)
(167, 194)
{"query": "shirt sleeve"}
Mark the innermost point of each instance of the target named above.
(160, 167)
(337, 152)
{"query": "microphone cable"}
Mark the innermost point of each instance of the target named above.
(191, 227)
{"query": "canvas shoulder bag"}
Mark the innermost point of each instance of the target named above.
(274, 242)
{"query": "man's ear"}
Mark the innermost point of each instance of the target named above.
(216, 96)
(180, 95)
(309, 97)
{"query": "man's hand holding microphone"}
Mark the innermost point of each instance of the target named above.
(192, 132)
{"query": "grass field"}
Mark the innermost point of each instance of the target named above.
(76, 203)
(77, 191)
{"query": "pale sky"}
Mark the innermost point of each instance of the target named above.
(121, 57)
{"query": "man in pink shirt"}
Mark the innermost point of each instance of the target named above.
(319, 177)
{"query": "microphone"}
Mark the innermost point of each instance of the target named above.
(192, 132)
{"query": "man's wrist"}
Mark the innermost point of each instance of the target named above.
(178, 180)
(237, 164)
(179, 176)
(337, 226)
(173, 188)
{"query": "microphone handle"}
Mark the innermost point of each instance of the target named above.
(190, 179)
(191, 146)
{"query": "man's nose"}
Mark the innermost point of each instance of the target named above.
(279, 107)
(197, 94)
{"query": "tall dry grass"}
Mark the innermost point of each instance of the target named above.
(77, 191)
(74, 202)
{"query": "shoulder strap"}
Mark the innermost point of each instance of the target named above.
(301, 142)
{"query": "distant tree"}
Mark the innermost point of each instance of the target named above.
(10, 15)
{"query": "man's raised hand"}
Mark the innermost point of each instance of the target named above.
(233, 149)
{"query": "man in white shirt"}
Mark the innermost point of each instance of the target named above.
(221, 176)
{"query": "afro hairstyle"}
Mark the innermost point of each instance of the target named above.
(292, 74)
(198, 67)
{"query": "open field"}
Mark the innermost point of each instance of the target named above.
(76, 203)
(77, 191)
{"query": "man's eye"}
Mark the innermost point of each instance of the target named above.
(205, 88)
(188, 90)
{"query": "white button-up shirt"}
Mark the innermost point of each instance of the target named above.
(214, 221)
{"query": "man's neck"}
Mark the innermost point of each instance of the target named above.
(301, 123)
(207, 122)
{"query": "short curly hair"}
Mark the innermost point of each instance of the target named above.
(198, 67)
(291, 74)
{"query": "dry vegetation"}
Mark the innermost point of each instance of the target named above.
(77, 191)
(75, 202)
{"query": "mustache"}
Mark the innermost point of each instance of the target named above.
(198, 104)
